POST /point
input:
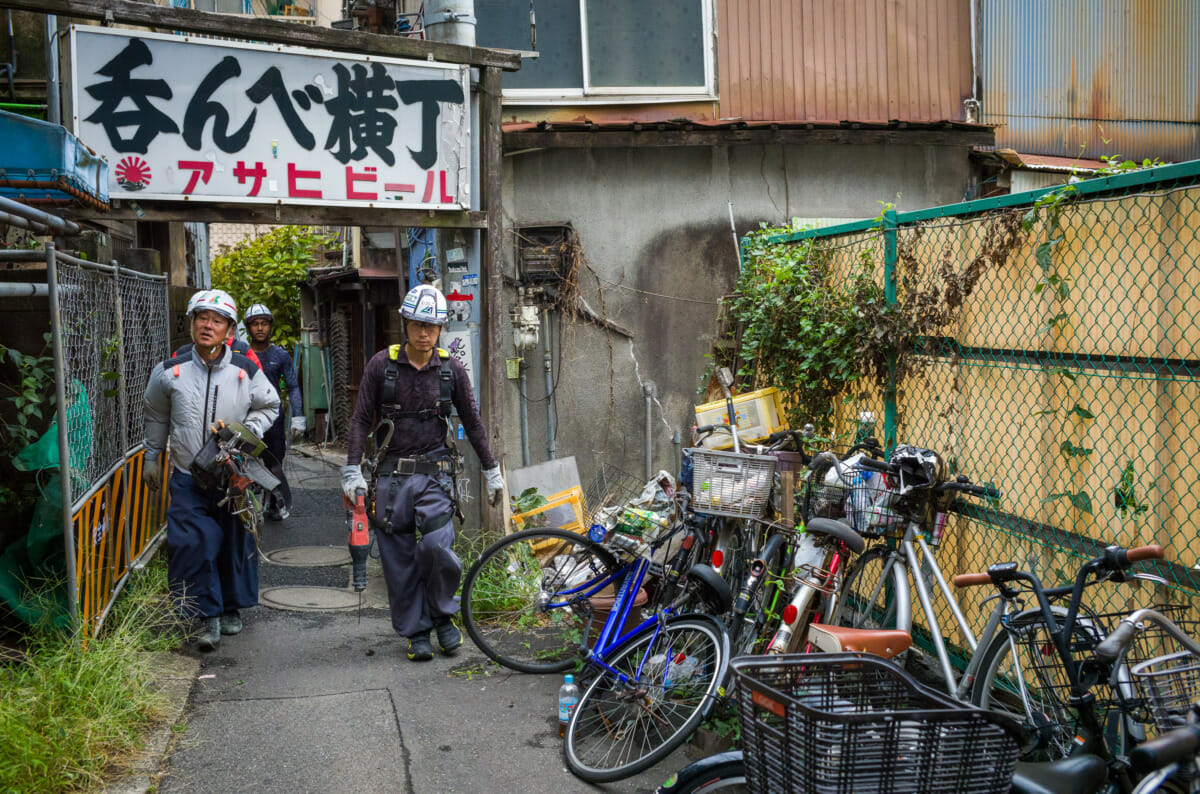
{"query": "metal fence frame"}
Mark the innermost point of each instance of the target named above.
(110, 523)
(1118, 196)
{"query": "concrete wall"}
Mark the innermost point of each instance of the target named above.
(654, 226)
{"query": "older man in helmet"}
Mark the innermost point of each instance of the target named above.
(212, 565)
(414, 385)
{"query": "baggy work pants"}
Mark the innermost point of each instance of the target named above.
(419, 566)
(212, 565)
(276, 440)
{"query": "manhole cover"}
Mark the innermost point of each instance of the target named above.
(310, 556)
(309, 599)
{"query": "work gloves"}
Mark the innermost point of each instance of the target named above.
(298, 427)
(151, 473)
(352, 482)
(495, 483)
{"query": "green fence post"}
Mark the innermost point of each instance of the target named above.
(890, 256)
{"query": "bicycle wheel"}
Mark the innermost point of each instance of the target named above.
(1031, 685)
(866, 600)
(524, 601)
(749, 632)
(722, 772)
(671, 673)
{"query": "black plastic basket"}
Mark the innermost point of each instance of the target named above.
(825, 723)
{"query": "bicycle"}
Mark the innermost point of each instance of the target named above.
(875, 592)
(530, 601)
(1038, 664)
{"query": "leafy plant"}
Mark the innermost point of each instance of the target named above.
(267, 269)
(1125, 494)
(529, 499)
(814, 329)
(29, 397)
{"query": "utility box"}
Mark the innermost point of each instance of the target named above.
(759, 414)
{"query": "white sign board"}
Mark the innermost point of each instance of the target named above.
(179, 117)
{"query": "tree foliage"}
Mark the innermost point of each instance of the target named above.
(268, 269)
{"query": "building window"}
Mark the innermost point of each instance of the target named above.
(603, 50)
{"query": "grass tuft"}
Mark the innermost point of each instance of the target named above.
(68, 713)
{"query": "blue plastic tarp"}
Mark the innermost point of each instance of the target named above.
(40, 160)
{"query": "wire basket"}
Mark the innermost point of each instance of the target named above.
(1044, 667)
(611, 487)
(1170, 685)
(825, 723)
(857, 497)
(731, 484)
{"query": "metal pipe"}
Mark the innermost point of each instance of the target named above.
(57, 224)
(52, 99)
(521, 384)
(122, 393)
(23, 223)
(23, 289)
(548, 364)
(64, 449)
(648, 393)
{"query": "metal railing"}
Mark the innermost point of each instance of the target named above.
(108, 329)
(1069, 375)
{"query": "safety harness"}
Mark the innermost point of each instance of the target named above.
(441, 462)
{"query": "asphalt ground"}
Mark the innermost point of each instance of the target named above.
(320, 701)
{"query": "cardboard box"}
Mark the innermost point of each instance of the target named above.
(759, 414)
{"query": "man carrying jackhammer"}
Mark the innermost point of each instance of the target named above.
(413, 386)
(212, 563)
(277, 365)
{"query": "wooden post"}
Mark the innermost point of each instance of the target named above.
(492, 303)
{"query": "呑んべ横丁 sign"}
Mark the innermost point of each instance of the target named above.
(225, 121)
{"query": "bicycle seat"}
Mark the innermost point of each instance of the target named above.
(839, 530)
(838, 639)
(1080, 774)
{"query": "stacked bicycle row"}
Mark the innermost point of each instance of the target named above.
(661, 592)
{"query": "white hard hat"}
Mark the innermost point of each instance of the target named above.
(424, 304)
(258, 310)
(215, 300)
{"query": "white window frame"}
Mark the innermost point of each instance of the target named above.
(625, 95)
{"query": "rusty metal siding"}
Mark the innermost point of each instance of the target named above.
(1100, 77)
(835, 60)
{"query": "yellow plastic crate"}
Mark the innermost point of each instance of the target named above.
(759, 414)
(564, 509)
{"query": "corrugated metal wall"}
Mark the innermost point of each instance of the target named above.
(844, 60)
(1097, 77)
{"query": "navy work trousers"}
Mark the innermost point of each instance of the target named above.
(419, 566)
(212, 565)
(276, 440)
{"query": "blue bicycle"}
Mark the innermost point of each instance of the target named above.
(533, 600)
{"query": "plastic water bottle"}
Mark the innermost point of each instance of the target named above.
(568, 698)
(681, 670)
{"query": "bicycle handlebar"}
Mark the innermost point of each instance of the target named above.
(1175, 747)
(1114, 645)
(971, 579)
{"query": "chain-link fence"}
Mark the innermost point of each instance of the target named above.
(1064, 368)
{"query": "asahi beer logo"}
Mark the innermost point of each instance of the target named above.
(133, 173)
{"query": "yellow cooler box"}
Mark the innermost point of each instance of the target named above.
(759, 414)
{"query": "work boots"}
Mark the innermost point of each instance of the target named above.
(231, 622)
(210, 634)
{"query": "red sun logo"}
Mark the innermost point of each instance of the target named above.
(133, 173)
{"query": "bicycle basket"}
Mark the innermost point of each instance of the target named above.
(731, 484)
(857, 497)
(824, 723)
